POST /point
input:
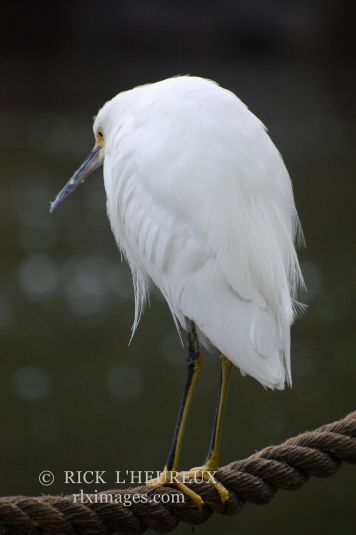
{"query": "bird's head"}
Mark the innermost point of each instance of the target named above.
(105, 123)
(94, 160)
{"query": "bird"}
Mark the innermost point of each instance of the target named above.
(202, 207)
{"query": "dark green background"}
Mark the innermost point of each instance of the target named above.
(73, 394)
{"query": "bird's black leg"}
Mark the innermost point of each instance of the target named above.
(206, 472)
(194, 366)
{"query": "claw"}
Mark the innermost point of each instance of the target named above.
(178, 479)
(204, 473)
(170, 478)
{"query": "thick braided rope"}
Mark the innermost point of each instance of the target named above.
(254, 479)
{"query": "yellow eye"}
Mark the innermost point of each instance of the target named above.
(100, 135)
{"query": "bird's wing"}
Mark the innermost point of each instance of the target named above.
(213, 221)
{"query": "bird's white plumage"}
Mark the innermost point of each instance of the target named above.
(200, 202)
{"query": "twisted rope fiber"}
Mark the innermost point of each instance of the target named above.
(254, 479)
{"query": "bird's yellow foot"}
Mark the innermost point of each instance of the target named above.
(206, 473)
(171, 478)
(178, 480)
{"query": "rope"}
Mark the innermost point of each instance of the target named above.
(254, 479)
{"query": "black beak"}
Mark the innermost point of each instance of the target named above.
(92, 162)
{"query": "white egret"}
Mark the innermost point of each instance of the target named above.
(201, 205)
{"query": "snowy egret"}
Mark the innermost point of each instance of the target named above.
(201, 204)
